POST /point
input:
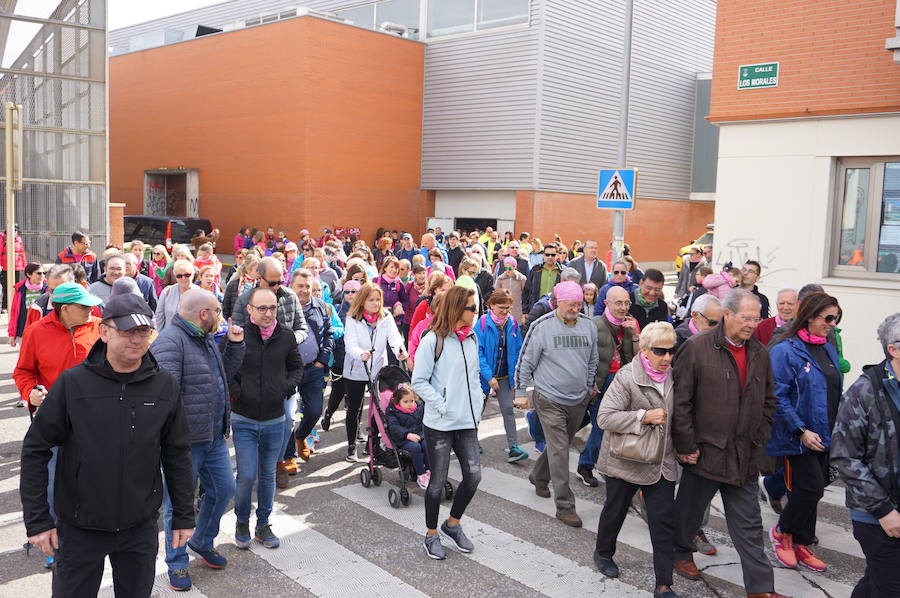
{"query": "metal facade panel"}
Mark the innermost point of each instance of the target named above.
(480, 109)
(672, 42)
(581, 64)
(706, 143)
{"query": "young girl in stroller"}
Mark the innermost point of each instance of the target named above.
(404, 419)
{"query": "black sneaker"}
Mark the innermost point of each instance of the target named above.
(586, 473)
(326, 422)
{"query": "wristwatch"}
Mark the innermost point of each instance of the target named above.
(799, 431)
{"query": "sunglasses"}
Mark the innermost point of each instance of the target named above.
(270, 283)
(660, 351)
(710, 322)
(185, 275)
(549, 255)
(40, 273)
(471, 308)
(349, 292)
(830, 318)
(620, 272)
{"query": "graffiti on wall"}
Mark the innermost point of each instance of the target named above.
(155, 197)
(740, 250)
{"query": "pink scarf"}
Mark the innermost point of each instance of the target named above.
(652, 372)
(33, 287)
(370, 318)
(388, 279)
(613, 319)
(691, 327)
(807, 337)
(779, 322)
(266, 332)
(498, 320)
(399, 408)
(462, 333)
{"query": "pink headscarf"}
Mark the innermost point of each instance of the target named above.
(568, 291)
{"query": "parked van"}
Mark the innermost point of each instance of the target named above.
(164, 230)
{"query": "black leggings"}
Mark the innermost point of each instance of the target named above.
(465, 445)
(356, 390)
(338, 392)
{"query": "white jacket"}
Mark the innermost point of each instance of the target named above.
(359, 337)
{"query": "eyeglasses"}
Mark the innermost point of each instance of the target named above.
(265, 309)
(158, 253)
(829, 319)
(138, 331)
(660, 351)
(218, 310)
(270, 283)
(749, 320)
(621, 303)
(620, 271)
(184, 275)
(471, 308)
(708, 321)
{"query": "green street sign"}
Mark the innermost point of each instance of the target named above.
(755, 76)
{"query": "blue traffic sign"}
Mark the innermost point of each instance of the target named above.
(616, 189)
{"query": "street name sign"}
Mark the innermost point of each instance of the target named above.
(756, 76)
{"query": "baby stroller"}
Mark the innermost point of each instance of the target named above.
(381, 450)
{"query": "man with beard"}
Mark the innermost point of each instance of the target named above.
(187, 350)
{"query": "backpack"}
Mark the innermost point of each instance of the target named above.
(438, 345)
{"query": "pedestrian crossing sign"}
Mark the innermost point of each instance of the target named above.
(616, 189)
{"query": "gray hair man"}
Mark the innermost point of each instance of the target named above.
(113, 271)
(290, 314)
(706, 312)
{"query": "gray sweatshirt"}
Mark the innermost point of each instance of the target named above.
(560, 360)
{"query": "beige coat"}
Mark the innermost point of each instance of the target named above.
(622, 410)
(514, 285)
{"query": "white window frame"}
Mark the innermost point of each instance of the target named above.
(423, 27)
(867, 270)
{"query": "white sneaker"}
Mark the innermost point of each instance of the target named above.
(422, 480)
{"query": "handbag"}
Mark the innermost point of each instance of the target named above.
(648, 447)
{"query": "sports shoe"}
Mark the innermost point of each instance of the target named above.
(776, 504)
(264, 536)
(587, 476)
(532, 418)
(326, 422)
(179, 580)
(314, 435)
(703, 545)
(422, 480)
(281, 476)
(783, 545)
(455, 534)
(516, 454)
(433, 547)
(22, 403)
(351, 454)
(49, 561)
(210, 558)
(242, 535)
(540, 445)
(809, 560)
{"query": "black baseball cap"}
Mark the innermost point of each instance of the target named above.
(128, 311)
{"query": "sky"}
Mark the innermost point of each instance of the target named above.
(122, 13)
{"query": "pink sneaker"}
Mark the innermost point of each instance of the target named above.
(783, 545)
(422, 480)
(809, 560)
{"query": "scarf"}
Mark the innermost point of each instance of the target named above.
(498, 320)
(691, 326)
(779, 322)
(388, 279)
(813, 339)
(370, 318)
(612, 319)
(34, 287)
(267, 332)
(652, 372)
(462, 333)
(402, 410)
(640, 299)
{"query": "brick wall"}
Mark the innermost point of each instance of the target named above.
(831, 53)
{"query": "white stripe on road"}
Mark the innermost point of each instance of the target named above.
(635, 534)
(161, 587)
(311, 559)
(530, 565)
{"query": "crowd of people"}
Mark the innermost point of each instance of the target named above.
(171, 353)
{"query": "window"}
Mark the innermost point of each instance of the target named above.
(363, 16)
(402, 12)
(867, 218)
(447, 17)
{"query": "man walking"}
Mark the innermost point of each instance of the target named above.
(79, 252)
(559, 356)
(188, 351)
(290, 314)
(541, 279)
(706, 312)
(722, 416)
(647, 302)
(589, 266)
(750, 273)
(144, 283)
(119, 426)
(115, 269)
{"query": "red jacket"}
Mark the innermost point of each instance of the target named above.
(48, 348)
(19, 313)
(765, 330)
(20, 261)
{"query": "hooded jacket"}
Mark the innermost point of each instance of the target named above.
(113, 436)
(401, 423)
(488, 335)
(18, 315)
(449, 386)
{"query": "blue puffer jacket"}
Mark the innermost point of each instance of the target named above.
(488, 335)
(189, 356)
(802, 394)
(401, 423)
(600, 306)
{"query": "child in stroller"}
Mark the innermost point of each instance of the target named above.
(404, 421)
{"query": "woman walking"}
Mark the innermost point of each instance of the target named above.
(638, 404)
(808, 385)
(445, 376)
(25, 293)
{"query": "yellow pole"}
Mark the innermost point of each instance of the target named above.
(9, 108)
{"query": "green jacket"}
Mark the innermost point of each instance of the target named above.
(606, 341)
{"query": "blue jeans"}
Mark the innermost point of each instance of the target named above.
(312, 393)
(257, 447)
(290, 406)
(591, 450)
(212, 464)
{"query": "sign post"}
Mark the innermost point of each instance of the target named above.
(758, 76)
(13, 183)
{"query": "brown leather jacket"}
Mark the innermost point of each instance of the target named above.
(712, 413)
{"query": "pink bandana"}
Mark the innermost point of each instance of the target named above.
(778, 321)
(692, 327)
(652, 372)
(568, 291)
(267, 332)
(807, 337)
(498, 320)
(462, 333)
(613, 319)
(33, 287)
(370, 318)
(388, 279)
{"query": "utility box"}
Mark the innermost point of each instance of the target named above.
(172, 192)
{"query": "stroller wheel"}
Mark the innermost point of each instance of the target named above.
(376, 476)
(364, 478)
(404, 497)
(394, 498)
(448, 490)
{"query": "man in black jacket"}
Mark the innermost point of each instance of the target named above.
(270, 372)
(455, 252)
(647, 303)
(116, 418)
(541, 279)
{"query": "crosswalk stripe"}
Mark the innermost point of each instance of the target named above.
(161, 587)
(531, 565)
(635, 534)
(311, 559)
